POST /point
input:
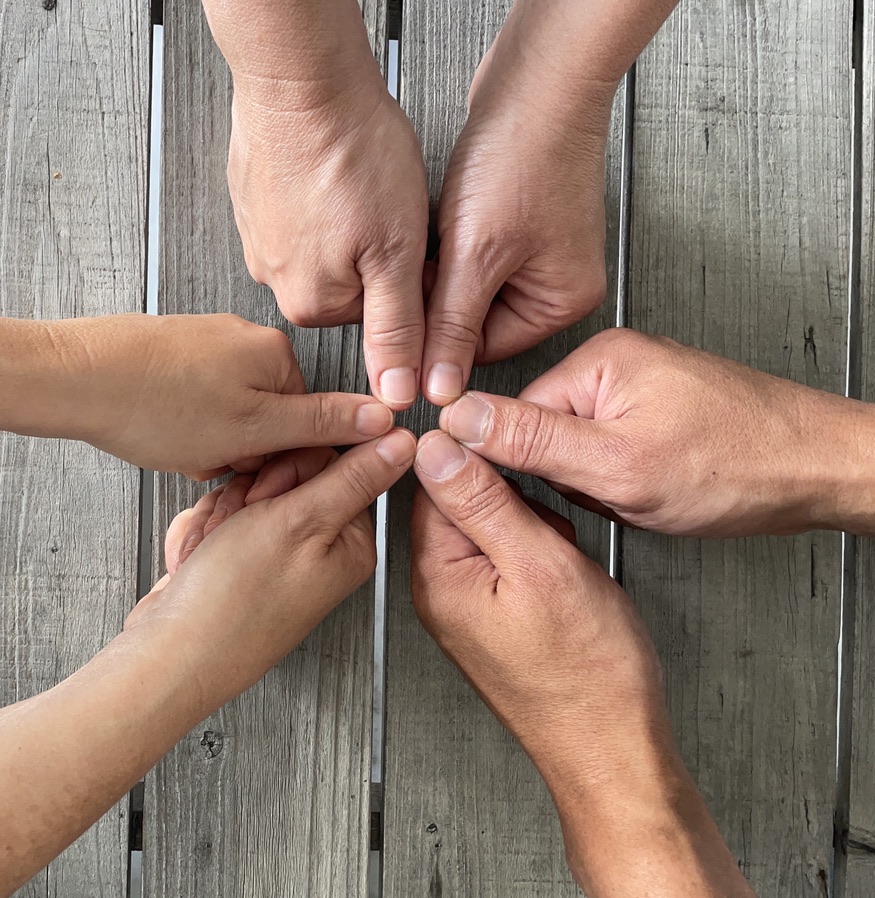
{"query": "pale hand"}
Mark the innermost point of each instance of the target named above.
(198, 394)
(257, 584)
(331, 203)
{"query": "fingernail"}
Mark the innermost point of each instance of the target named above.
(220, 512)
(190, 545)
(373, 419)
(467, 419)
(440, 457)
(398, 386)
(397, 448)
(445, 380)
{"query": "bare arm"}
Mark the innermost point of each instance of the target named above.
(67, 755)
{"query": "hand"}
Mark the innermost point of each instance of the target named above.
(248, 596)
(332, 207)
(669, 438)
(557, 651)
(521, 218)
(256, 585)
(198, 393)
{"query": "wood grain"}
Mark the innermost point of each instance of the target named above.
(740, 237)
(861, 836)
(465, 811)
(73, 119)
(269, 796)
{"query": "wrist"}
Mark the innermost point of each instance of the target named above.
(571, 52)
(539, 64)
(295, 56)
(840, 445)
(674, 847)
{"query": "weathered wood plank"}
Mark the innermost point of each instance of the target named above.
(740, 236)
(861, 851)
(73, 119)
(269, 796)
(465, 811)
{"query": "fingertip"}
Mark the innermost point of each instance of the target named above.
(439, 456)
(443, 383)
(397, 448)
(397, 388)
(467, 419)
(193, 541)
(374, 419)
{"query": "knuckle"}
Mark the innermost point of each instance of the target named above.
(301, 313)
(395, 335)
(528, 435)
(358, 480)
(484, 254)
(482, 501)
(230, 319)
(275, 342)
(452, 330)
(622, 338)
(397, 252)
(324, 416)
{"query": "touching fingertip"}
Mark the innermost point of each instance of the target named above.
(373, 419)
(397, 448)
(440, 457)
(467, 419)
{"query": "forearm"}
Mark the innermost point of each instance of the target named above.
(309, 49)
(671, 846)
(670, 851)
(87, 740)
(38, 388)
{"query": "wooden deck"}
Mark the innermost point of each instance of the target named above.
(741, 207)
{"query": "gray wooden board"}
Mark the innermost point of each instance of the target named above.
(465, 811)
(73, 119)
(740, 237)
(269, 796)
(861, 848)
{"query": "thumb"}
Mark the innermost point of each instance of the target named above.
(532, 439)
(457, 307)
(318, 419)
(474, 497)
(347, 487)
(394, 329)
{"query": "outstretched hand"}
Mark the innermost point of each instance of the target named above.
(669, 438)
(252, 588)
(199, 394)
